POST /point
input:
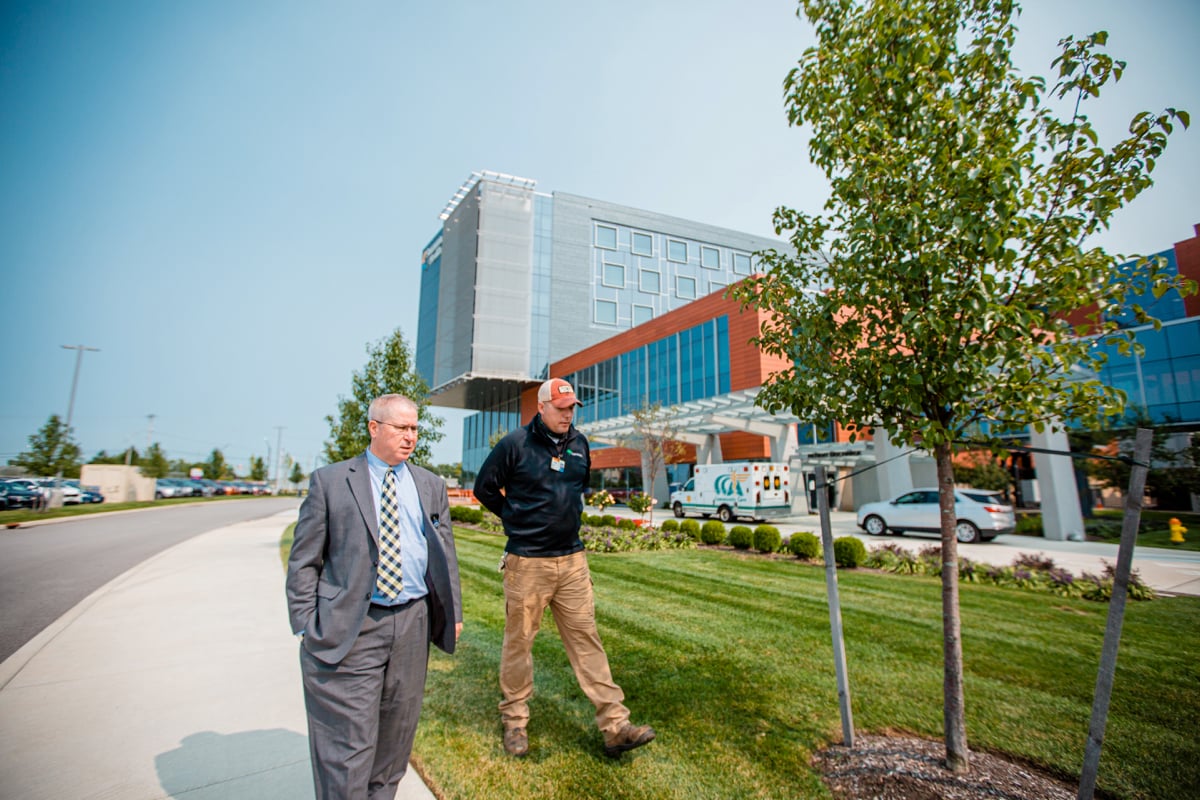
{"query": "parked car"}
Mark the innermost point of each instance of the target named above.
(90, 494)
(16, 495)
(165, 488)
(980, 515)
(70, 490)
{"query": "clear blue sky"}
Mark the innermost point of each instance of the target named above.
(229, 199)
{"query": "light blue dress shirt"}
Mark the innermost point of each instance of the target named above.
(414, 551)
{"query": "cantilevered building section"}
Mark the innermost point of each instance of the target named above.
(517, 279)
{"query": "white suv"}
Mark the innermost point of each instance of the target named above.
(980, 515)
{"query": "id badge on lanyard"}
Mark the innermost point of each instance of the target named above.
(557, 464)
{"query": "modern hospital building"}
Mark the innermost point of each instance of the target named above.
(519, 285)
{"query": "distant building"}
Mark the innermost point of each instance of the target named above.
(628, 305)
(517, 279)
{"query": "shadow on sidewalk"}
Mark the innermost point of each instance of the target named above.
(254, 765)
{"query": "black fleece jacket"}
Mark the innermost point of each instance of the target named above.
(540, 506)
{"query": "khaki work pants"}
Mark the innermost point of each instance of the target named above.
(565, 585)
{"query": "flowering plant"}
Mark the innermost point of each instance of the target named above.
(640, 502)
(600, 500)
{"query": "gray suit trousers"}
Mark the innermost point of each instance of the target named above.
(372, 695)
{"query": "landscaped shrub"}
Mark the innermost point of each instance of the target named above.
(608, 521)
(805, 545)
(627, 524)
(617, 540)
(1029, 524)
(1032, 572)
(740, 537)
(467, 514)
(849, 552)
(691, 527)
(767, 538)
(1103, 528)
(669, 526)
(712, 532)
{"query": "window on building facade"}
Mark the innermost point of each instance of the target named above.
(642, 244)
(642, 314)
(710, 258)
(715, 285)
(650, 281)
(741, 263)
(614, 275)
(606, 312)
(606, 237)
(677, 251)
(685, 287)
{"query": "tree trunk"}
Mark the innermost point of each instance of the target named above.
(952, 674)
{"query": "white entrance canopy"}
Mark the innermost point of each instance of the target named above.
(699, 422)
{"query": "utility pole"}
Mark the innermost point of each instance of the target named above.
(149, 430)
(267, 463)
(78, 348)
(278, 454)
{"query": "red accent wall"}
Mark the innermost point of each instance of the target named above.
(1187, 257)
(749, 368)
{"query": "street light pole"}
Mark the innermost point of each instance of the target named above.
(278, 454)
(78, 348)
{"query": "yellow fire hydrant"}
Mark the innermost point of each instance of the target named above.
(1177, 531)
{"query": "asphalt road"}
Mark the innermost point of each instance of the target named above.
(46, 569)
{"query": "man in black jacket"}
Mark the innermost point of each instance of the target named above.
(534, 480)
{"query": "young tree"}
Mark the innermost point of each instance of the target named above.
(654, 436)
(154, 463)
(51, 451)
(389, 369)
(216, 468)
(258, 468)
(935, 292)
(296, 475)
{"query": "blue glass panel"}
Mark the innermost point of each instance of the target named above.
(606, 312)
(1189, 412)
(606, 237)
(1123, 376)
(1184, 338)
(614, 275)
(1159, 382)
(1187, 381)
(642, 244)
(723, 354)
(1154, 342)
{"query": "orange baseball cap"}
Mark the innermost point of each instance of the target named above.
(558, 393)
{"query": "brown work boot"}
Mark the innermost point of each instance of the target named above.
(516, 743)
(627, 738)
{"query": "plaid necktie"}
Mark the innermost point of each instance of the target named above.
(389, 582)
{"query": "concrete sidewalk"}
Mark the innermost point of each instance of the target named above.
(179, 679)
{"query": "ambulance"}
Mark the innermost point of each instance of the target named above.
(737, 489)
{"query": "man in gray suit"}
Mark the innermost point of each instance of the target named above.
(372, 580)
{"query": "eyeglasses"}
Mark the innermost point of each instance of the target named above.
(411, 429)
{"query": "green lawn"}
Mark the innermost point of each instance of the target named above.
(729, 657)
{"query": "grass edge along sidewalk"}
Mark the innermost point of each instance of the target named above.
(728, 656)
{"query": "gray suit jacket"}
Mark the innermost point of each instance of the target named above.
(331, 569)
